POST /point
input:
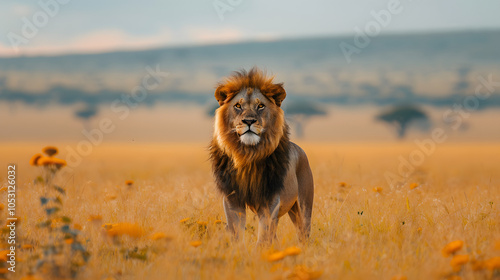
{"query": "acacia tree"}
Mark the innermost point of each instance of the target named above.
(402, 117)
(85, 114)
(300, 112)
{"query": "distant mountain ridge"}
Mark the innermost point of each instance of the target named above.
(435, 69)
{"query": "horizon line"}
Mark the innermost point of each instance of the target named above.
(237, 42)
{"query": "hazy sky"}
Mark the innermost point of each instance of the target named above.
(95, 26)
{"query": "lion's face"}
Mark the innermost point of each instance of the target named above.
(249, 123)
(249, 117)
(250, 112)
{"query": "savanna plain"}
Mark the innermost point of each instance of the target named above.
(151, 211)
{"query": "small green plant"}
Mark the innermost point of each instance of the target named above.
(63, 255)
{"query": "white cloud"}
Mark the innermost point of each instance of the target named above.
(93, 42)
(115, 39)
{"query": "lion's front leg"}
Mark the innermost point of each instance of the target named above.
(235, 215)
(268, 221)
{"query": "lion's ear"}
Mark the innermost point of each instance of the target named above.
(278, 94)
(220, 94)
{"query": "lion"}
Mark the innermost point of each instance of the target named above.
(254, 163)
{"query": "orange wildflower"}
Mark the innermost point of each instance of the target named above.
(184, 220)
(277, 256)
(52, 161)
(292, 251)
(34, 159)
(399, 277)
(413, 186)
(129, 182)
(377, 189)
(493, 263)
(3, 255)
(452, 247)
(160, 235)
(195, 243)
(458, 261)
(132, 230)
(50, 150)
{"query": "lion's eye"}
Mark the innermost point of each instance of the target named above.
(237, 105)
(261, 106)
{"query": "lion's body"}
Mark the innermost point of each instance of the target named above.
(254, 162)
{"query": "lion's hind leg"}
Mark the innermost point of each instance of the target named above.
(298, 220)
(304, 204)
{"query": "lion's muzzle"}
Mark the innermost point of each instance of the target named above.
(249, 132)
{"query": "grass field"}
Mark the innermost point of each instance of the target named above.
(362, 228)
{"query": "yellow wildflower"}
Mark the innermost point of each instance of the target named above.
(458, 261)
(160, 235)
(277, 256)
(132, 230)
(34, 159)
(452, 247)
(292, 251)
(26, 246)
(3, 255)
(195, 243)
(50, 151)
(52, 161)
(413, 186)
(493, 263)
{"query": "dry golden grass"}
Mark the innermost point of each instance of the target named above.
(362, 228)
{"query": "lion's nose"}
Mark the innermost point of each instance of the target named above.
(249, 122)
